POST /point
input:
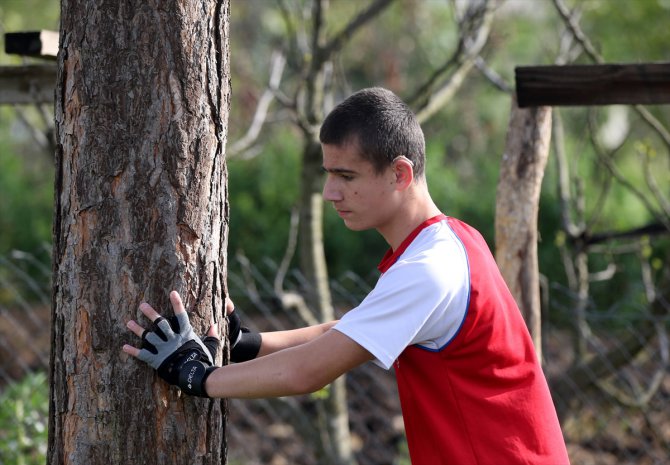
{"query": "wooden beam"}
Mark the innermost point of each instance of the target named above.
(29, 84)
(583, 85)
(43, 44)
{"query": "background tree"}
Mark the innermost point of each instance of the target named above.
(141, 208)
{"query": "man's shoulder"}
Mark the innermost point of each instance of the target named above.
(436, 240)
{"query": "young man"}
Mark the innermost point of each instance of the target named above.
(471, 388)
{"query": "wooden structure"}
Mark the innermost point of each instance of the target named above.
(33, 83)
(27, 84)
(42, 44)
(581, 85)
(538, 88)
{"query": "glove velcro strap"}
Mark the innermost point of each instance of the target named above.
(234, 328)
(192, 377)
(247, 347)
(170, 369)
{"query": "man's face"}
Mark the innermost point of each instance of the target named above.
(363, 198)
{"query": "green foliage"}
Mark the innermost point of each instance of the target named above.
(26, 188)
(262, 192)
(627, 31)
(23, 421)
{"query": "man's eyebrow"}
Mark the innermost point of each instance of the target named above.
(337, 170)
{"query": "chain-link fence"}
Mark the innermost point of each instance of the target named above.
(608, 377)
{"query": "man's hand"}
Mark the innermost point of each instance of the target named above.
(174, 350)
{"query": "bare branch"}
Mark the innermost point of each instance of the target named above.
(647, 230)
(607, 161)
(655, 124)
(492, 76)
(584, 376)
(290, 252)
(569, 226)
(337, 42)
(40, 138)
(474, 29)
(292, 300)
(641, 396)
(441, 96)
(277, 69)
(294, 49)
(653, 185)
(569, 18)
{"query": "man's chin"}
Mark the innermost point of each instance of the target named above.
(356, 226)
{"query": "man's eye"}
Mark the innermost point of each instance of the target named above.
(347, 177)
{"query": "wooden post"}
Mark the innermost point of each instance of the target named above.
(42, 44)
(605, 84)
(517, 199)
(28, 84)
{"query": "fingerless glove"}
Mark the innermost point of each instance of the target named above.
(178, 355)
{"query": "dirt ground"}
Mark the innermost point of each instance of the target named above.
(602, 432)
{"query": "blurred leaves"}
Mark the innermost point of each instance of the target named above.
(23, 421)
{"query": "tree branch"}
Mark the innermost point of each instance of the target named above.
(647, 230)
(474, 29)
(260, 116)
(607, 161)
(492, 76)
(337, 42)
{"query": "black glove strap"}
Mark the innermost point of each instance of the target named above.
(234, 327)
(247, 347)
(192, 377)
(171, 368)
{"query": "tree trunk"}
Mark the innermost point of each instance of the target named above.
(517, 204)
(312, 254)
(336, 447)
(141, 208)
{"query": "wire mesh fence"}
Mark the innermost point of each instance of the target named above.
(609, 381)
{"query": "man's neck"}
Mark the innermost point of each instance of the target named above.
(415, 212)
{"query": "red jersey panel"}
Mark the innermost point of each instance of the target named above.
(482, 399)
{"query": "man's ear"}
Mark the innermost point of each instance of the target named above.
(404, 173)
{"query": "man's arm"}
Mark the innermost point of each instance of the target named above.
(296, 370)
(275, 341)
(299, 361)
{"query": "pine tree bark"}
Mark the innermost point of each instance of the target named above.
(517, 204)
(141, 208)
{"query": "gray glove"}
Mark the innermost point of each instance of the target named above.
(178, 355)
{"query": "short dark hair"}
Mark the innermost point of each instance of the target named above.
(382, 125)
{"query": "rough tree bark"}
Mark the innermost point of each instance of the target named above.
(141, 208)
(517, 203)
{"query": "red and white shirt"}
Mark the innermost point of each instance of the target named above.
(471, 388)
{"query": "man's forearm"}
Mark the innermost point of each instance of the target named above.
(275, 341)
(301, 369)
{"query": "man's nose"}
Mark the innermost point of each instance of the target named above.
(330, 191)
